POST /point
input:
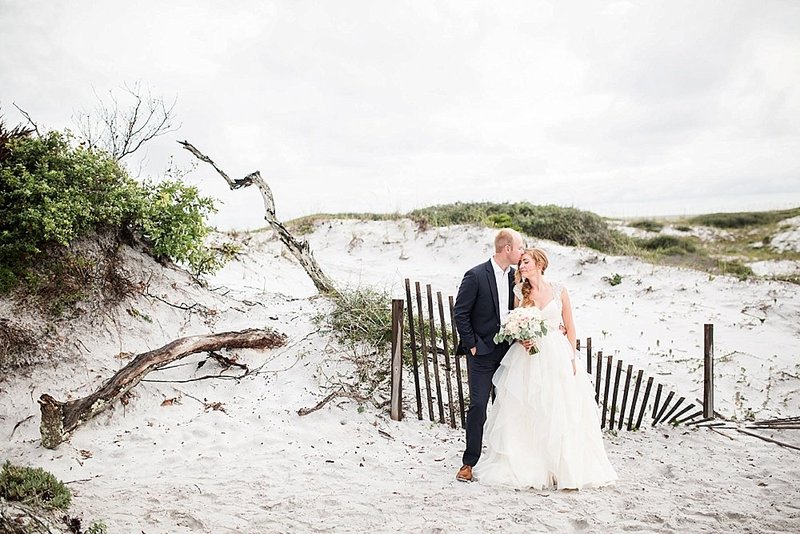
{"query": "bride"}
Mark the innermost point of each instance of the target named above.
(543, 430)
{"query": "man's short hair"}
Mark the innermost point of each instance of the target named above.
(504, 237)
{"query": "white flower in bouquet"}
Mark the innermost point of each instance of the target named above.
(522, 324)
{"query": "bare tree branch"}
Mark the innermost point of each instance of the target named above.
(28, 118)
(301, 250)
(122, 131)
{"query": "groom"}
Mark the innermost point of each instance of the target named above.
(484, 299)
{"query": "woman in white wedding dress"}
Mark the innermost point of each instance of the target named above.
(543, 429)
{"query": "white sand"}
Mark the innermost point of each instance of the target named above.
(789, 237)
(259, 467)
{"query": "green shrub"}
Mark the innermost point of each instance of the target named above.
(503, 220)
(667, 244)
(172, 219)
(450, 214)
(744, 219)
(33, 486)
(52, 193)
(613, 280)
(568, 226)
(683, 228)
(647, 224)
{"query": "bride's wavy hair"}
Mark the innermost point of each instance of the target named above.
(540, 258)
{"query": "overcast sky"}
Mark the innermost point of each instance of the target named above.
(622, 108)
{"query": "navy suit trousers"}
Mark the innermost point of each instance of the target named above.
(481, 370)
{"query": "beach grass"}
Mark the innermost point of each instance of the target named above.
(735, 240)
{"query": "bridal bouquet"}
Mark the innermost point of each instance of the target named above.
(522, 324)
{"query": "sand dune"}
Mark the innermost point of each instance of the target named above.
(256, 466)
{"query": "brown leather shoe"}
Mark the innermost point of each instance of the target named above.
(465, 473)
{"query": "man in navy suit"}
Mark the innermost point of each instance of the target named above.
(484, 299)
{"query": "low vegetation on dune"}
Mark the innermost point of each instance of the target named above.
(745, 237)
(66, 212)
(745, 219)
(33, 500)
(567, 226)
(55, 193)
(741, 237)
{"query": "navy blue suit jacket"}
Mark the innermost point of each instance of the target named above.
(477, 308)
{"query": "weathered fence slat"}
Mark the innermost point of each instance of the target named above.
(699, 421)
(413, 340)
(635, 396)
(424, 351)
(657, 401)
(663, 409)
(672, 410)
(396, 404)
(447, 369)
(597, 378)
(457, 359)
(626, 388)
(708, 370)
(608, 385)
(644, 402)
(688, 419)
(427, 346)
(677, 416)
(589, 356)
(614, 396)
(435, 354)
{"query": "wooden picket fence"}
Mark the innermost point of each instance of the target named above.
(625, 399)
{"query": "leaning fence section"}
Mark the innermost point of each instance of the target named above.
(425, 344)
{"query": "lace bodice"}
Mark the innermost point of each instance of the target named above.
(551, 312)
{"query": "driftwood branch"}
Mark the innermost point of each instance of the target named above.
(770, 440)
(332, 395)
(299, 249)
(60, 419)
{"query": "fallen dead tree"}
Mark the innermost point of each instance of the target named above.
(299, 249)
(60, 419)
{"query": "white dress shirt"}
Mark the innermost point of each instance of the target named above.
(501, 278)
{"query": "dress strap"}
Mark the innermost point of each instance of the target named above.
(557, 289)
(518, 291)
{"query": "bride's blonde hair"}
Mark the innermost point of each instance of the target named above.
(539, 258)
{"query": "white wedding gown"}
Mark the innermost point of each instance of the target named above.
(543, 430)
